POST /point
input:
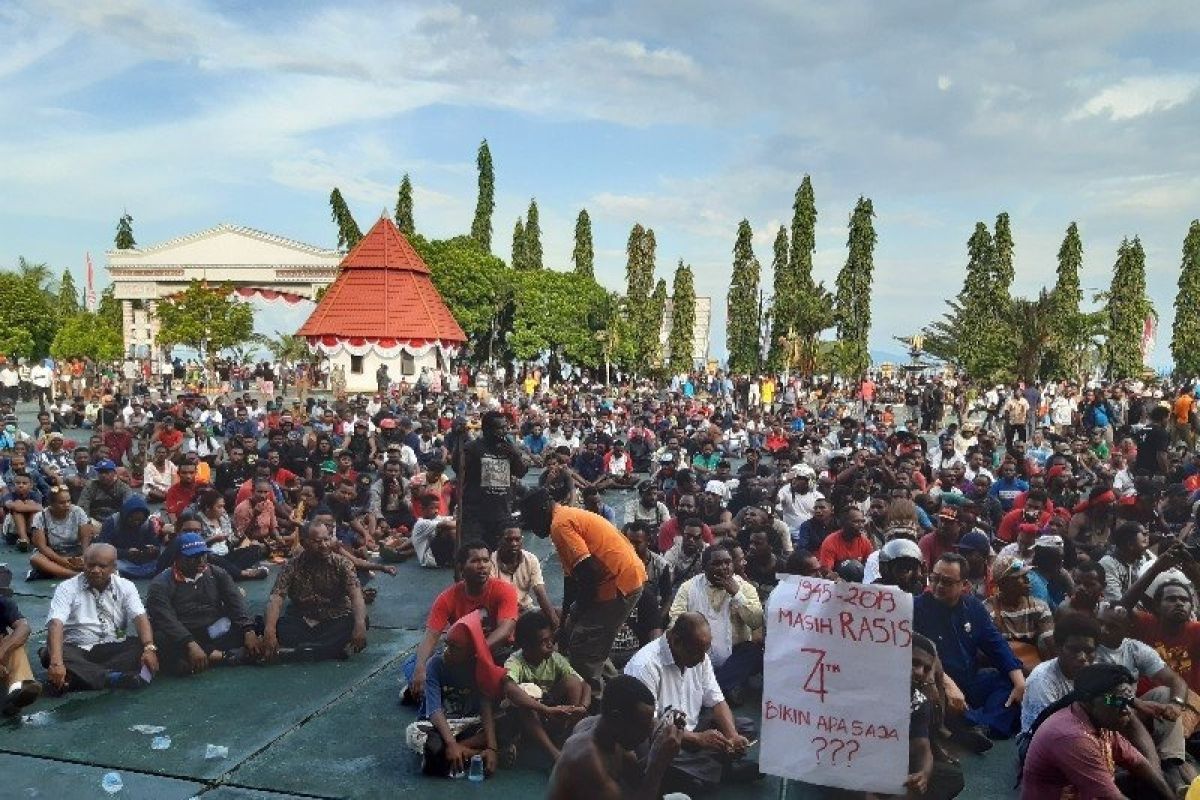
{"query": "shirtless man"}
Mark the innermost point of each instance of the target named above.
(598, 760)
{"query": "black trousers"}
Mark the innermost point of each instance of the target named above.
(88, 669)
(173, 655)
(326, 639)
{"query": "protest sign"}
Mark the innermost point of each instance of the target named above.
(836, 697)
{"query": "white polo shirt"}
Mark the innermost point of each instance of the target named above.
(687, 690)
(90, 617)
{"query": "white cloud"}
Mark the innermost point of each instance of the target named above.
(1136, 97)
(944, 83)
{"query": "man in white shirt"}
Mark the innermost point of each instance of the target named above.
(86, 642)
(9, 383)
(735, 618)
(797, 500)
(677, 670)
(43, 381)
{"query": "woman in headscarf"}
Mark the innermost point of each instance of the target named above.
(1076, 743)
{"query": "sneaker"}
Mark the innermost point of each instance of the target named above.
(23, 695)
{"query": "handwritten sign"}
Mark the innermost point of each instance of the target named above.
(836, 697)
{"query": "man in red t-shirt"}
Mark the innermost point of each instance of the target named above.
(183, 492)
(477, 590)
(847, 542)
(1170, 630)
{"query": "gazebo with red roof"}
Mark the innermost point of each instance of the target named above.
(383, 309)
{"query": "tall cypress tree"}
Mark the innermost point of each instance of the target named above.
(584, 254)
(1185, 331)
(742, 323)
(518, 245)
(783, 300)
(348, 230)
(1002, 262)
(533, 239)
(1069, 326)
(1067, 292)
(852, 301)
(976, 314)
(683, 318)
(658, 305)
(404, 208)
(1127, 310)
(481, 226)
(67, 303)
(124, 239)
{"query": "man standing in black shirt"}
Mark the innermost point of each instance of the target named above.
(491, 464)
(1153, 443)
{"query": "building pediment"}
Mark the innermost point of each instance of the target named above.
(224, 246)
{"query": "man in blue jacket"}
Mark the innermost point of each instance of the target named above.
(963, 630)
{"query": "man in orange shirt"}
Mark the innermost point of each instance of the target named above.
(607, 573)
(848, 542)
(1181, 416)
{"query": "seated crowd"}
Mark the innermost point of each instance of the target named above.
(1053, 582)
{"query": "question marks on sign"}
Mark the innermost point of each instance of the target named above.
(824, 744)
(840, 745)
(835, 748)
(851, 753)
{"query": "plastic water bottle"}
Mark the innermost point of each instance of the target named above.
(112, 783)
(475, 773)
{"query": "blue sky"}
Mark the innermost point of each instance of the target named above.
(684, 117)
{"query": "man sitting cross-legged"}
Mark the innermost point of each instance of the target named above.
(544, 674)
(17, 685)
(598, 761)
(86, 646)
(326, 615)
(199, 616)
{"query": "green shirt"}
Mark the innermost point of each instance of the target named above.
(545, 674)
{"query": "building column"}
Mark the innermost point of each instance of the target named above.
(152, 322)
(127, 332)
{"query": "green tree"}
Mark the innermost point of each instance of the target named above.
(204, 318)
(852, 302)
(481, 226)
(1185, 331)
(348, 230)
(518, 245)
(477, 288)
(109, 308)
(558, 314)
(532, 249)
(28, 321)
(978, 323)
(639, 279)
(683, 318)
(67, 302)
(783, 300)
(404, 207)
(742, 323)
(124, 239)
(657, 310)
(1032, 324)
(584, 254)
(87, 335)
(36, 274)
(1071, 326)
(1128, 307)
(1002, 262)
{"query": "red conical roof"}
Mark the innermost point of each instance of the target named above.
(383, 293)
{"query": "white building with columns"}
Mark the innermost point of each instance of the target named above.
(253, 262)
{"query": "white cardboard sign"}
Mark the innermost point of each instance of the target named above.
(836, 696)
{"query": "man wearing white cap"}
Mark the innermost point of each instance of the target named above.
(797, 499)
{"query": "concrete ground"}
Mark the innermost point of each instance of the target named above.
(330, 730)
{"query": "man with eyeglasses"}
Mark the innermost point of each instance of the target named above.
(959, 624)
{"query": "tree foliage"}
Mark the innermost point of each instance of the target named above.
(742, 323)
(348, 231)
(639, 306)
(1128, 307)
(783, 300)
(124, 239)
(532, 248)
(1003, 271)
(852, 302)
(560, 314)
(204, 318)
(683, 318)
(584, 254)
(67, 301)
(477, 288)
(1074, 330)
(518, 245)
(404, 207)
(1185, 331)
(27, 318)
(485, 204)
(87, 335)
(657, 310)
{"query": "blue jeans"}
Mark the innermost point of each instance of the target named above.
(745, 660)
(986, 692)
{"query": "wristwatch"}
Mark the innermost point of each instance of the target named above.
(150, 648)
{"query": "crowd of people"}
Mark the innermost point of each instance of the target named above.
(1044, 531)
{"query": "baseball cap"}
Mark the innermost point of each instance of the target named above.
(1009, 567)
(975, 542)
(899, 548)
(105, 465)
(387, 424)
(1053, 542)
(192, 544)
